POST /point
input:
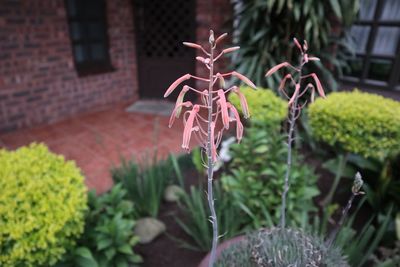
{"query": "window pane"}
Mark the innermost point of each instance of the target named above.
(386, 41)
(98, 51)
(96, 30)
(360, 35)
(391, 10)
(76, 30)
(367, 9)
(80, 53)
(379, 69)
(355, 68)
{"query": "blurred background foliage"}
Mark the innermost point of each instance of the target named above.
(264, 30)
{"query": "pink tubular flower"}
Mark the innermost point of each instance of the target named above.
(175, 113)
(192, 45)
(175, 84)
(244, 79)
(297, 44)
(277, 67)
(243, 102)
(187, 132)
(283, 82)
(239, 125)
(224, 108)
(231, 49)
(319, 85)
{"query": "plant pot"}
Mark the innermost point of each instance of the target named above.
(220, 248)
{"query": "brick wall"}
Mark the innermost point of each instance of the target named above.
(215, 15)
(38, 81)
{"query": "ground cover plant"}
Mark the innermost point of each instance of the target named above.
(42, 205)
(206, 129)
(108, 238)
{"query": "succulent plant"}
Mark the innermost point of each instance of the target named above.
(281, 247)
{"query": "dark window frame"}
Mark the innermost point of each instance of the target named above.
(89, 66)
(393, 83)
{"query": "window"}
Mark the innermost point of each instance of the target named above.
(88, 33)
(377, 40)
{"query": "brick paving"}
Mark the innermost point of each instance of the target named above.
(99, 140)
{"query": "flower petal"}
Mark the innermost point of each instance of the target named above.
(283, 82)
(179, 100)
(277, 67)
(175, 84)
(239, 125)
(187, 132)
(192, 45)
(319, 85)
(244, 79)
(224, 108)
(297, 44)
(174, 112)
(221, 37)
(295, 94)
(243, 102)
(230, 49)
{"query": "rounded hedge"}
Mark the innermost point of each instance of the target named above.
(264, 105)
(42, 203)
(356, 122)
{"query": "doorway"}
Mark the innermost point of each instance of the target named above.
(161, 27)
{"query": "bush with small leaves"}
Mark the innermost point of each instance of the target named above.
(278, 247)
(42, 205)
(357, 122)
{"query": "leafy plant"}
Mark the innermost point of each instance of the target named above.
(194, 206)
(108, 237)
(144, 184)
(254, 178)
(264, 28)
(42, 205)
(264, 105)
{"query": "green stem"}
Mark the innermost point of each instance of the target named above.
(342, 164)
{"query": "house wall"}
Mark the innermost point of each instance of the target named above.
(38, 81)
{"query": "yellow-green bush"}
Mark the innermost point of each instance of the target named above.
(42, 204)
(264, 105)
(357, 122)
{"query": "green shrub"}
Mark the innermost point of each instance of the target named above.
(108, 237)
(357, 122)
(144, 184)
(264, 105)
(42, 204)
(254, 178)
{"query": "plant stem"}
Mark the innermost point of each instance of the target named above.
(210, 163)
(342, 164)
(292, 122)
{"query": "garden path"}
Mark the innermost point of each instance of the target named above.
(97, 141)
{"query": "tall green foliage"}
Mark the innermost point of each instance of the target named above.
(266, 27)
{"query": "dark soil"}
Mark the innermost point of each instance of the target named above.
(164, 251)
